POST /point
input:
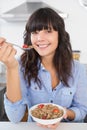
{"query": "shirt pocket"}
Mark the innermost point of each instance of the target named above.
(67, 96)
(37, 95)
(36, 88)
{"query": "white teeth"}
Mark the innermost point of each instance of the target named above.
(42, 46)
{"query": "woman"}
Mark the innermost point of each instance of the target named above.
(46, 73)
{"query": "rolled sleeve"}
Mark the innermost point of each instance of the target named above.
(79, 104)
(78, 116)
(15, 111)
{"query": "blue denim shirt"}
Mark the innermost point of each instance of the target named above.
(73, 97)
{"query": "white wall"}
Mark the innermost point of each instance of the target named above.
(76, 23)
(12, 31)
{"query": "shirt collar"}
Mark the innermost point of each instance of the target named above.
(42, 67)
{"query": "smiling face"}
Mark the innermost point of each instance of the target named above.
(45, 41)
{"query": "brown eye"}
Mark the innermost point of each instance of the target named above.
(35, 32)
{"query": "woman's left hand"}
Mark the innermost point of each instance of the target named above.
(52, 126)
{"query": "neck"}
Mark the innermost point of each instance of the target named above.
(47, 62)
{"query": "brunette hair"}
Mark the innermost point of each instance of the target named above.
(62, 60)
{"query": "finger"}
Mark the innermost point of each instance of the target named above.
(53, 126)
(9, 56)
(11, 62)
(12, 55)
(3, 43)
(3, 47)
(5, 52)
(65, 115)
(44, 126)
(2, 40)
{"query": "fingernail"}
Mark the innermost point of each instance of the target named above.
(49, 126)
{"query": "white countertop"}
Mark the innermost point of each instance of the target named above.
(33, 126)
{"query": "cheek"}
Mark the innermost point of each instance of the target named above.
(32, 40)
(55, 39)
(55, 42)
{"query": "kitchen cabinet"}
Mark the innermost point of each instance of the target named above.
(2, 91)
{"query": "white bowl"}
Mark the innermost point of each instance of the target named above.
(47, 121)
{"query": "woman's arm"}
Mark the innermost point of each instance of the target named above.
(7, 56)
(13, 102)
(13, 91)
(79, 104)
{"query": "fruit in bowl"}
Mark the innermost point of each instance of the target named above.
(47, 113)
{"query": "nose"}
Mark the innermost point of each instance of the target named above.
(40, 36)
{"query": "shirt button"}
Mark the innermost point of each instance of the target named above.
(51, 101)
(70, 92)
(35, 88)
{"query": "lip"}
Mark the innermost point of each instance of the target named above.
(43, 46)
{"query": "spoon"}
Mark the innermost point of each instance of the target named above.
(24, 49)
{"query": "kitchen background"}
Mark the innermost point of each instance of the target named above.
(76, 23)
